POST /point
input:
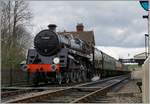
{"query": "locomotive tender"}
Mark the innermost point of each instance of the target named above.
(65, 58)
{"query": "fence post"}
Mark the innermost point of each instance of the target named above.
(11, 76)
(28, 77)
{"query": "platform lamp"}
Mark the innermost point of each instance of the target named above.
(146, 45)
(146, 40)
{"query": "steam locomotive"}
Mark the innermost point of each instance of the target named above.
(64, 58)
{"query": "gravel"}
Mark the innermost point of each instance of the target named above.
(129, 93)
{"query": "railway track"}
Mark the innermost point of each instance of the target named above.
(8, 93)
(72, 94)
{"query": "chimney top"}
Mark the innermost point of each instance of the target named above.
(52, 27)
(80, 27)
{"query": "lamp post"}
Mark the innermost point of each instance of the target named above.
(146, 35)
(146, 45)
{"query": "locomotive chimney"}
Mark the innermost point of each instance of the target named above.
(80, 27)
(52, 27)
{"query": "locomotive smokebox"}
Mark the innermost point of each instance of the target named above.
(52, 27)
(46, 42)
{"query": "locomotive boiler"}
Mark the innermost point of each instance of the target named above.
(48, 42)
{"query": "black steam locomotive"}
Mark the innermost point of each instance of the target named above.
(64, 58)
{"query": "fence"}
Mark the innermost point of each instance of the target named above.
(14, 77)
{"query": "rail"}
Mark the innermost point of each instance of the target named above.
(78, 93)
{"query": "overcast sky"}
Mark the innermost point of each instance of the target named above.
(115, 23)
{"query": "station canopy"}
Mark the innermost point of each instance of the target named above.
(140, 58)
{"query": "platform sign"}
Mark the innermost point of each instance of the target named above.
(144, 4)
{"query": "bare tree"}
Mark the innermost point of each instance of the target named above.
(15, 17)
